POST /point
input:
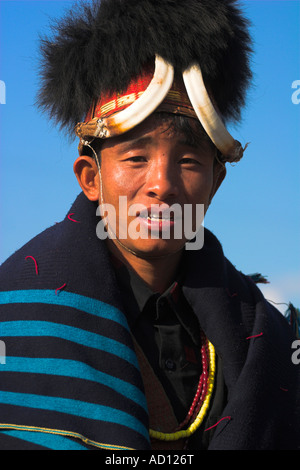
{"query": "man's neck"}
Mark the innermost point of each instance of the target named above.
(157, 273)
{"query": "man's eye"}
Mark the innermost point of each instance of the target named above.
(137, 159)
(189, 161)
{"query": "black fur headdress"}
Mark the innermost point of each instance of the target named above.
(101, 45)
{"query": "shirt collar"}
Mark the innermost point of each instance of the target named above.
(130, 282)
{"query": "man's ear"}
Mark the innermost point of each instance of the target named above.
(86, 171)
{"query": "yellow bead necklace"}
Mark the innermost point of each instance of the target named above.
(175, 436)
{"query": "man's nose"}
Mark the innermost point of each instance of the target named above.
(162, 180)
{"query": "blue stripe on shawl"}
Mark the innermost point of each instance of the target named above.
(79, 370)
(66, 299)
(76, 408)
(50, 441)
(70, 333)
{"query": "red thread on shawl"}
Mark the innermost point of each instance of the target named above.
(175, 292)
(229, 293)
(73, 220)
(283, 389)
(60, 288)
(255, 336)
(225, 417)
(35, 263)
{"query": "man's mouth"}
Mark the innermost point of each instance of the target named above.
(159, 220)
(157, 217)
(154, 214)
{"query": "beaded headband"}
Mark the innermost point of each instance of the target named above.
(116, 113)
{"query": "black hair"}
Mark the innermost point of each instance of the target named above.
(100, 45)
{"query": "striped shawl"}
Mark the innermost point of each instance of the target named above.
(71, 378)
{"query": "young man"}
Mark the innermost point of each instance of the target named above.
(119, 333)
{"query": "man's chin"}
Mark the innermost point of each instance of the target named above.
(150, 249)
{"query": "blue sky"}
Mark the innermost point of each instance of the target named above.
(255, 214)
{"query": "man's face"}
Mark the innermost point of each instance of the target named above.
(154, 165)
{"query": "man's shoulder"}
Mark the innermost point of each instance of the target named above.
(48, 253)
(218, 270)
(25, 264)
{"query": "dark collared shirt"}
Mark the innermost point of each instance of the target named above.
(168, 331)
